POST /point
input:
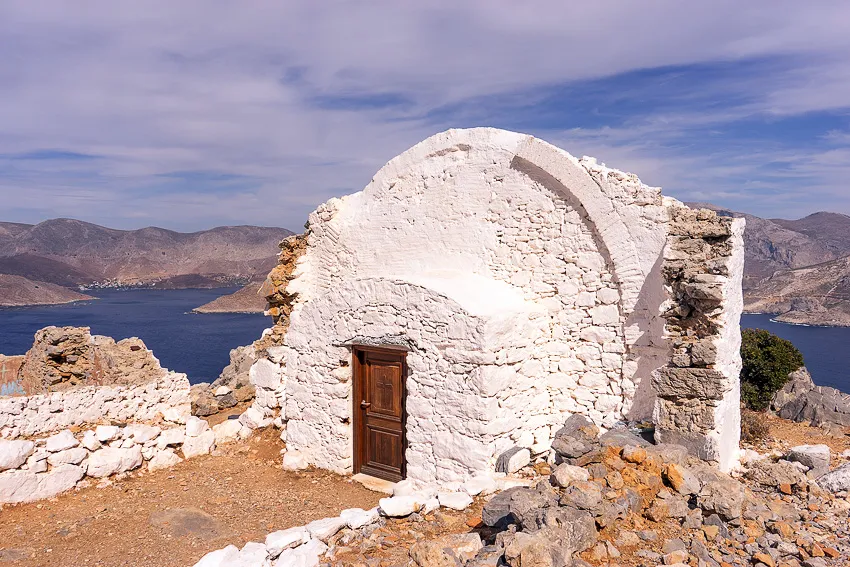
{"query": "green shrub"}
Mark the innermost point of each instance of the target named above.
(768, 360)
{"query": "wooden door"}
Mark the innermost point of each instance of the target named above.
(379, 389)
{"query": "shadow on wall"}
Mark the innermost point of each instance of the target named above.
(647, 350)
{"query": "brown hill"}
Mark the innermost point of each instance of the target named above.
(245, 300)
(17, 290)
(72, 252)
(798, 269)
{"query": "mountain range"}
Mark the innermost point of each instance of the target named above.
(76, 254)
(797, 269)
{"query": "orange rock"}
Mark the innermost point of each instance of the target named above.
(831, 552)
(753, 529)
(636, 455)
(817, 551)
(785, 488)
(764, 558)
(784, 529)
(710, 532)
(473, 521)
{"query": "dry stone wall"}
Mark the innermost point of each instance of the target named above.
(74, 378)
(24, 416)
(43, 467)
(698, 391)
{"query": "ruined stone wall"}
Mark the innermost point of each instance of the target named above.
(68, 357)
(71, 378)
(274, 290)
(698, 391)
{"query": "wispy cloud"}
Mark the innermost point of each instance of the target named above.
(187, 114)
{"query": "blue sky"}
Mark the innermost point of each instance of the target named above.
(192, 114)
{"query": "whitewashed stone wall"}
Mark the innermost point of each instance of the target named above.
(26, 416)
(526, 284)
(43, 467)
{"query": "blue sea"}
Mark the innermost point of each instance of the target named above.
(197, 344)
(826, 350)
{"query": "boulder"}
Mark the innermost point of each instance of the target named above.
(722, 497)
(163, 459)
(18, 486)
(61, 441)
(106, 433)
(837, 480)
(14, 453)
(278, 541)
(73, 456)
(800, 400)
(227, 431)
(195, 426)
(400, 506)
(202, 400)
(681, 479)
(565, 474)
(89, 441)
(200, 445)
(815, 457)
(219, 558)
(356, 518)
(775, 474)
(622, 438)
(583, 495)
(526, 507)
(235, 376)
(325, 528)
(552, 546)
(294, 460)
(253, 554)
(513, 460)
(479, 484)
(576, 438)
(141, 433)
(454, 500)
(305, 555)
(254, 418)
(111, 460)
(171, 437)
(446, 551)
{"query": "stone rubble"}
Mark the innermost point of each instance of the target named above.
(636, 504)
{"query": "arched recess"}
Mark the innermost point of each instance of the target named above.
(573, 179)
(570, 179)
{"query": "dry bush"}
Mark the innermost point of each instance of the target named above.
(754, 426)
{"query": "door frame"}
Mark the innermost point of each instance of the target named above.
(358, 423)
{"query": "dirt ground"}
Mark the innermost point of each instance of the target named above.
(783, 434)
(173, 517)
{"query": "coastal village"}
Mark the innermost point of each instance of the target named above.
(495, 354)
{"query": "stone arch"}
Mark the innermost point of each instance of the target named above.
(563, 174)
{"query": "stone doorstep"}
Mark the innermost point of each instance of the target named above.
(374, 484)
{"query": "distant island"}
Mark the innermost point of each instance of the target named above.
(57, 260)
(244, 300)
(16, 291)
